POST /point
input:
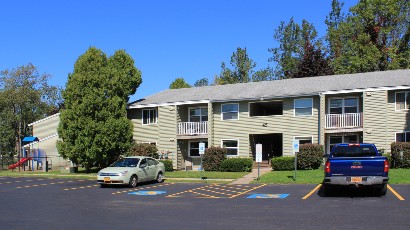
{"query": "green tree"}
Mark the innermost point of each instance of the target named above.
(179, 83)
(293, 40)
(201, 82)
(374, 36)
(25, 96)
(94, 128)
(242, 68)
(263, 75)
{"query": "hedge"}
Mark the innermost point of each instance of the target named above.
(213, 158)
(310, 156)
(144, 149)
(236, 165)
(168, 165)
(283, 163)
(396, 159)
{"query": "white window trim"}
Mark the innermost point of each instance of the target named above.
(395, 135)
(237, 148)
(189, 110)
(189, 148)
(222, 117)
(156, 117)
(395, 100)
(343, 103)
(294, 138)
(294, 107)
(249, 108)
(343, 140)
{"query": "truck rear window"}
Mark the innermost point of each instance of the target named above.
(354, 151)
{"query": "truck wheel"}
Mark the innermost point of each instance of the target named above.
(383, 190)
(327, 189)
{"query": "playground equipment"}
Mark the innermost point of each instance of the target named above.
(34, 158)
(20, 163)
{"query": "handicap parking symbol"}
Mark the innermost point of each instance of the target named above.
(269, 196)
(147, 193)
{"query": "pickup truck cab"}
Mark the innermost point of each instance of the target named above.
(356, 165)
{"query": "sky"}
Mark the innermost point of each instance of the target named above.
(166, 39)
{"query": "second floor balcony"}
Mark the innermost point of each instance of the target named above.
(346, 120)
(192, 128)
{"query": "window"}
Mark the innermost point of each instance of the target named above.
(402, 100)
(198, 114)
(265, 108)
(351, 139)
(403, 137)
(304, 140)
(343, 105)
(231, 147)
(303, 107)
(152, 162)
(194, 148)
(149, 116)
(230, 111)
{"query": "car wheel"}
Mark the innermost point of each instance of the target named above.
(160, 177)
(133, 181)
(103, 185)
(383, 190)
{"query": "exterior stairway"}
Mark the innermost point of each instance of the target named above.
(263, 164)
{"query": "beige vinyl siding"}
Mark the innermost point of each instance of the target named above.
(398, 121)
(142, 133)
(167, 123)
(53, 157)
(287, 124)
(46, 128)
(375, 118)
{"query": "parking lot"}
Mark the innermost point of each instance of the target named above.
(45, 203)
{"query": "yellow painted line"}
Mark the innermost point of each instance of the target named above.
(241, 193)
(311, 192)
(205, 195)
(395, 193)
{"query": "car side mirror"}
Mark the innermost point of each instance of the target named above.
(143, 166)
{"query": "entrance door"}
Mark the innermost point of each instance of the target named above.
(272, 144)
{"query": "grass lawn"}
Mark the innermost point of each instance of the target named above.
(397, 176)
(209, 175)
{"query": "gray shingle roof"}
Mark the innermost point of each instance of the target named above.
(280, 88)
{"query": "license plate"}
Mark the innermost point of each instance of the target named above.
(356, 179)
(106, 179)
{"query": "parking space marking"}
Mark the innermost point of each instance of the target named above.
(395, 193)
(311, 192)
(141, 188)
(82, 187)
(20, 181)
(216, 191)
(44, 184)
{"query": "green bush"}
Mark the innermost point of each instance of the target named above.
(236, 165)
(144, 149)
(213, 158)
(168, 165)
(396, 159)
(310, 156)
(283, 163)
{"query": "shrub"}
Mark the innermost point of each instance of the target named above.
(310, 156)
(396, 159)
(213, 158)
(168, 165)
(283, 163)
(236, 165)
(144, 149)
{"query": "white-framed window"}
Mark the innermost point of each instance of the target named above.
(403, 136)
(199, 114)
(304, 140)
(230, 111)
(403, 100)
(149, 116)
(348, 138)
(303, 107)
(232, 147)
(343, 105)
(193, 148)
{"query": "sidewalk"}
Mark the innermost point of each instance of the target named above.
(251, 176)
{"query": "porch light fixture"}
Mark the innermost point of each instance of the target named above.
(265, 124)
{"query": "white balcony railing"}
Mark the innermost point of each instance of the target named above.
(347, 120)
(192, 128)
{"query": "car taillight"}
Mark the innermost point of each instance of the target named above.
(386, 166)
(327, 167)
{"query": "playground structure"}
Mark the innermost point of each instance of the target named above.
(32, 158)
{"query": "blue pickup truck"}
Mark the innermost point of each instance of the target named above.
(356, 165)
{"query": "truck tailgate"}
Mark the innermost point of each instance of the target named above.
(357, 166)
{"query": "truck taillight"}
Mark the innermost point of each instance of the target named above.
(327, 167)
(386, 166)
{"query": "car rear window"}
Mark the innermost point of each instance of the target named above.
(354, 151)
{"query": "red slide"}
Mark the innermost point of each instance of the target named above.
(22, 161)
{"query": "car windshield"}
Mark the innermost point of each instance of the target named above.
(126, 162)
(354, 151)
